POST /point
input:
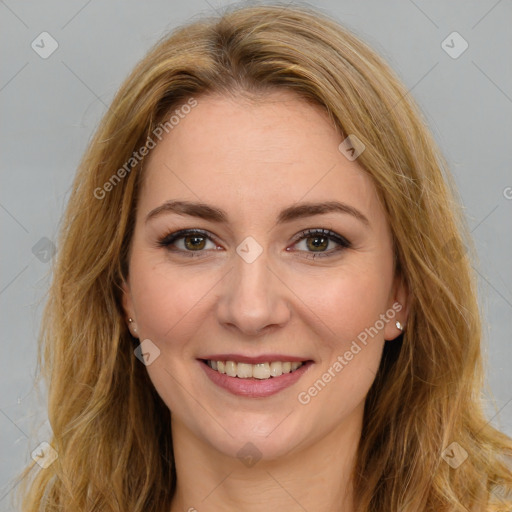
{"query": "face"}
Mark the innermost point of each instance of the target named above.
(265, 275)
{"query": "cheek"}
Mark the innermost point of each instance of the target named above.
(170, 301)
(349, 307)
(346, 300)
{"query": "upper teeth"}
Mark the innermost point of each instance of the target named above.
(258, 371)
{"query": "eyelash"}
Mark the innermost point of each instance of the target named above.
(170, 238)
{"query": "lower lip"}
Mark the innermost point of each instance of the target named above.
(255, 388)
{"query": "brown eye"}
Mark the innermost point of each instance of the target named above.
(194, 242)
(317, 241)
(187, 241)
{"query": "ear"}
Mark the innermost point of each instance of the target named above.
(398, 309)
(128, 308)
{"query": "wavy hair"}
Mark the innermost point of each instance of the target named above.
(112, 431)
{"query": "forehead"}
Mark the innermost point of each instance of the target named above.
(252, 156)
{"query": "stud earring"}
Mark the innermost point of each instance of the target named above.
(134, 328)
(399, 325)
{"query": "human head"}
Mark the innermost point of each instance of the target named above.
(255, 159)
(257, 50)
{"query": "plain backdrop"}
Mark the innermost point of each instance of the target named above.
(51, 106)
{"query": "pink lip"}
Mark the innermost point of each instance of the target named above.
(264, 358)
(254, 388)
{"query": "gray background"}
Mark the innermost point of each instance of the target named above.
(50, 108)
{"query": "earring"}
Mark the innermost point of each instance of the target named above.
(399, 325)
(134, 328)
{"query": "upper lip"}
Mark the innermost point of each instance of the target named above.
(264, 358)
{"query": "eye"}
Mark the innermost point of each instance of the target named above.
(316, 241)
(195, 241)
(187, 240)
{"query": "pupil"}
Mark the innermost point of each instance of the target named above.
(317, 245)
(196, 240)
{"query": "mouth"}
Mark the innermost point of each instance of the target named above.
(261, 371)
(258, 379)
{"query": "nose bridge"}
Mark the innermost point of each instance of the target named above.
(252, 297)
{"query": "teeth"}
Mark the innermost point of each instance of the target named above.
(231, 368)
(243, 370)
(276, 369)
(258, 371)
(261, 371)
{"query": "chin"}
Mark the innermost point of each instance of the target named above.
(251, 448)
(254, 436)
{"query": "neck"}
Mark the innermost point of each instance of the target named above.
(316, 478)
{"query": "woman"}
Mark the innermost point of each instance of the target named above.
(262, 298)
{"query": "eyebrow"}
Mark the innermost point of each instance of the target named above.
(289, 214)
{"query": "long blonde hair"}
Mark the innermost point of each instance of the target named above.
(110, 428)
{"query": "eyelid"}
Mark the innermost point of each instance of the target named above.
(176, 235)
(332, 235)
(343, 242)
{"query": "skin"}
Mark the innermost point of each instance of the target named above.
(253, 159)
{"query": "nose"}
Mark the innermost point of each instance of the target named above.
(253, 299)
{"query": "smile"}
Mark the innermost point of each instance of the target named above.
(260, 371)
(258, 380)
